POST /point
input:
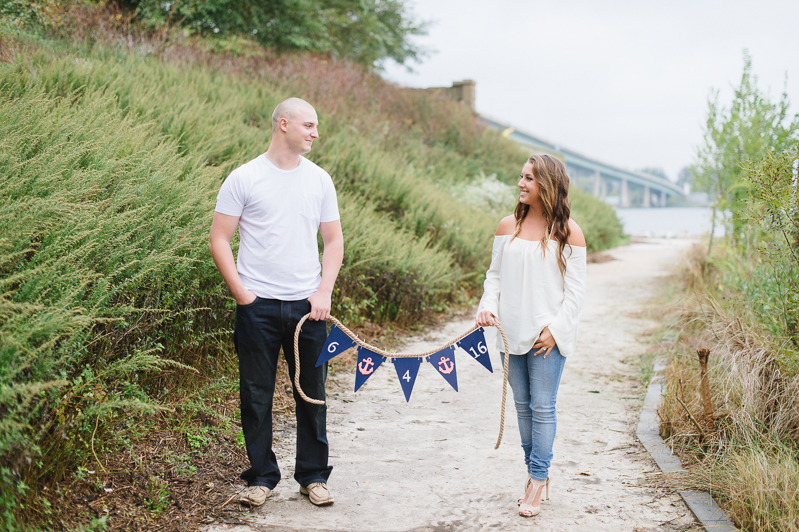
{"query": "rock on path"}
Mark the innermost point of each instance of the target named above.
(430, 465)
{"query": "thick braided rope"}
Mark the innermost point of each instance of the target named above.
(387, 354)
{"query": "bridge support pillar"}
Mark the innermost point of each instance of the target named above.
(597, 185)
(662, 202)
(624, 200)
(647, 197)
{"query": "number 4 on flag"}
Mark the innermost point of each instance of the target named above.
(475, 345)
(407, 370)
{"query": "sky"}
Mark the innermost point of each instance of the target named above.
(625, 82)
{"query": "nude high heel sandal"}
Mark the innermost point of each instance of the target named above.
(526, 485)
(533, 495)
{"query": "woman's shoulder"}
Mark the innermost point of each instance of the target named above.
(577, 238)
(506, 226)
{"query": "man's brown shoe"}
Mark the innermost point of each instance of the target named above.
(255, 495)
(318, 493)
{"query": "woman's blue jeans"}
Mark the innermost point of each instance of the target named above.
(262, 328)
(535, 381)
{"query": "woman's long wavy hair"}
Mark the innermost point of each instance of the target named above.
(553, 187)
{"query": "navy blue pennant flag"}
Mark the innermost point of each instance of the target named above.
(444, 362)
(368, 362)
(475, 344)
(407, 369)
(337, 342)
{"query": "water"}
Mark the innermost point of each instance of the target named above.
(668, 222)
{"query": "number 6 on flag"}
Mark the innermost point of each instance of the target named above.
(337, 342)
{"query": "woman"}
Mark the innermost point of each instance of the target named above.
(535, 288)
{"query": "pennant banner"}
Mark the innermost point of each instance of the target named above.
(407, 370)
(475, 345)
(337, 342)
(444, 362)
(368, 362)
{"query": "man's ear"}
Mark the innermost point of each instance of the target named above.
(283, 124)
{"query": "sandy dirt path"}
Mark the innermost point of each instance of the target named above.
(430, 465)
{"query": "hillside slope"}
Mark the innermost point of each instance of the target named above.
(111, 154)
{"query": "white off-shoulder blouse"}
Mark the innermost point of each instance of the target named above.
(526, 292)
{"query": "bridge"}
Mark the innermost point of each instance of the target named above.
(617, 186)
(614, 185)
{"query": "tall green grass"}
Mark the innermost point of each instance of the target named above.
(110, 161)
(101, 263)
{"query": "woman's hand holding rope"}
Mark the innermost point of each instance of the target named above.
(486, 319)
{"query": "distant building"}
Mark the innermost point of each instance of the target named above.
(461, 91)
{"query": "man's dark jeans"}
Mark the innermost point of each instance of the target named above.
(262, 327)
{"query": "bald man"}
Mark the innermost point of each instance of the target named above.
(279, 201)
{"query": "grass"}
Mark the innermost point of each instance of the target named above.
(112, 149)
(748, 457)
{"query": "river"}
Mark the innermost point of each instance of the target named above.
(667, 222)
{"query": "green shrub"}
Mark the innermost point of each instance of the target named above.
(600, 225)
(103, 259)
(773, 214)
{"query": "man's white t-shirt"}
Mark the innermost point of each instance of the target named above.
(279, 215)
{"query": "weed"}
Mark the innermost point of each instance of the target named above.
(158, 500)
(198, 440)
(184, 467)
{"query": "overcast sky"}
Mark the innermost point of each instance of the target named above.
(626, 82)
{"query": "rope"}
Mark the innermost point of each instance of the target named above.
(386, 354)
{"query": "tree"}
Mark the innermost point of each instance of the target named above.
(685, 176)
(656, 171)
(364, 31)
(749, 129)
(773, 209)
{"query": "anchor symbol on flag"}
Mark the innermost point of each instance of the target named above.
(366, 366)
(444, 362)
(368, 362)
(445, 368)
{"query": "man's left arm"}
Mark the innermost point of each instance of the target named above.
(332, 256)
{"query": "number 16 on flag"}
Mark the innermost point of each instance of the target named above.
(475, 345)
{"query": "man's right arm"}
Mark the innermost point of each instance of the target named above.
(222, 229)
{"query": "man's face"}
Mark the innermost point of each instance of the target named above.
(301, 129)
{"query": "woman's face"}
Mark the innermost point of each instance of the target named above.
(528, 187)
